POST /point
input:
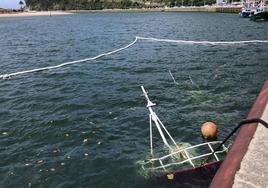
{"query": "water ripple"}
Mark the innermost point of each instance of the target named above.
(88, 123)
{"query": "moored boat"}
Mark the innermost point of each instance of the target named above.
(254, 9)
(245, 12)
(260, 14)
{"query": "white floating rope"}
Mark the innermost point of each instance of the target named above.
(69, 63)
(203, 42)
(128, 46)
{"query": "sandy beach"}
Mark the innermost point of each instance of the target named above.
(35, 13)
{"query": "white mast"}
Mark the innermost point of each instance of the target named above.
(159, 125)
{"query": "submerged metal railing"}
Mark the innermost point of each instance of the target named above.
(188, 158)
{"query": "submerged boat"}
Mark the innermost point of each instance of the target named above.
(177, 162)
(182, 164)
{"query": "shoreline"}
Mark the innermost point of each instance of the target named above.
(167, 9)
(185, 9)
(34, 13)
(211, 9)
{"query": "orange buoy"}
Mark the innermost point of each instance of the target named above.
(209, 130)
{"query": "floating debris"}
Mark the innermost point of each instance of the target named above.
(27, 164)
(110, 113)
(84, 132)
(67, 135)
(68, 157)
(56, 150)
(99, 143)
(115, 118)
(170, 176)
(4, 133)
(52, 169)
(85, 140)
(62, 163)
(94, 132)
(91, 122)
(40, 161)
(86, 154)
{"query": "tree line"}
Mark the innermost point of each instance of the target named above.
(109, 4)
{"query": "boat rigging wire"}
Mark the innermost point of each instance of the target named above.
(175, 82)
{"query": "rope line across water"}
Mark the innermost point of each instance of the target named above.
(128, 46)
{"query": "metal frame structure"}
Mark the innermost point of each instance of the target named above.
(189, 159)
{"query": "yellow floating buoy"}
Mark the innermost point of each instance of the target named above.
(209, 130)
(170, 176)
